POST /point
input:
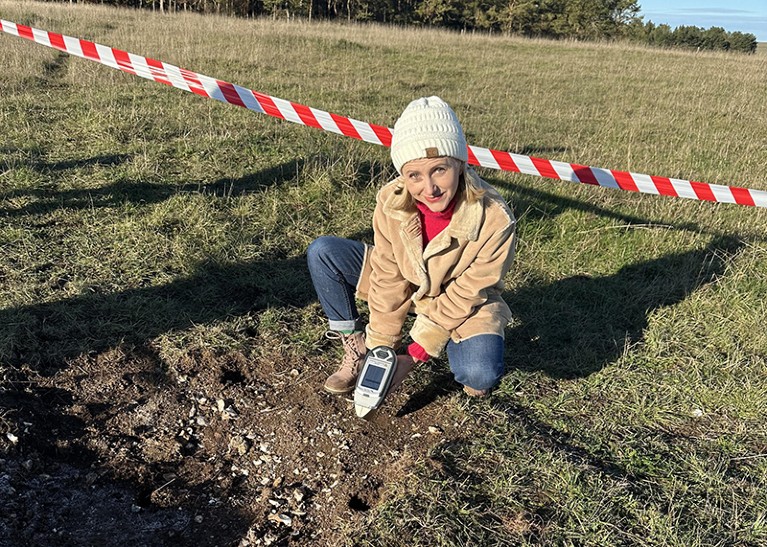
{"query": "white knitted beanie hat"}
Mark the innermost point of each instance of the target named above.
(427, 128)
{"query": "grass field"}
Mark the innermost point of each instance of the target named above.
(633, 410)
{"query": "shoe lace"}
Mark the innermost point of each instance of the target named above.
(352, 352)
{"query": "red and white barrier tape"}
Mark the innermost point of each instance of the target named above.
(377, 134)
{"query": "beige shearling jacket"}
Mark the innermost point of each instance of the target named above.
(453, 286)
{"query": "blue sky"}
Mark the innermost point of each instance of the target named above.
(743, 15)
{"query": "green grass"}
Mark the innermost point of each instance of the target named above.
(633, 411)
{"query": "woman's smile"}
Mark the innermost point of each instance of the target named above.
(432, 181)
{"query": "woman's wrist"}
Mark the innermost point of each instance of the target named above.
(418, 354)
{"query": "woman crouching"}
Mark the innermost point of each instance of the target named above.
(443, 241)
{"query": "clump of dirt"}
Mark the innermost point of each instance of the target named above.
(115, 449)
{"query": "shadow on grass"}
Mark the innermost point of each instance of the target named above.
(441, 385)
(569, 329)
(110, 160)
(127, 191)
(138, 192)
(539, 516)
(534, 150)
(575, 326)
(530, 203)
(44, 336)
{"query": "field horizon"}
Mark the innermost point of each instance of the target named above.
(162, 351)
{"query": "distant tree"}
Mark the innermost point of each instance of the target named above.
(662, 36)
(441, 13)
(743, 42)
(625, 12)
(715, 38)
(402, 11)
(479, 14)
(519, 16)
(598, 19)
(547, 19)
(688, 36)
(637, 31)
(286, 8)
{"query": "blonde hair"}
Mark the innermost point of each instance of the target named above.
(472, 184)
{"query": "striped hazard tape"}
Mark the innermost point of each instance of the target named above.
(265, 104)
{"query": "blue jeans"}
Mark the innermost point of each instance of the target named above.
(335, 265)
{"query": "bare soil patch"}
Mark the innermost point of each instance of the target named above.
(115, 450)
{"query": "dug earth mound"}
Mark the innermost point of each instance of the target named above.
(115, 449)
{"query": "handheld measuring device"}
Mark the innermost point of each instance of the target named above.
(374, 380)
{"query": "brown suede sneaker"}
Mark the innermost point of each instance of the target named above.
(471, 392)
(345, 378)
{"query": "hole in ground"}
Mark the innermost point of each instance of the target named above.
(358, 504)
(144, 498)
(232, 377)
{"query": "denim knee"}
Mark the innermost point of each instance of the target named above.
(480, 377)
(317, 250)
(478, 361)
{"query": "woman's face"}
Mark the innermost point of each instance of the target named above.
(432, 181)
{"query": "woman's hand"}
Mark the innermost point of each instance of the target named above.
(405, 364)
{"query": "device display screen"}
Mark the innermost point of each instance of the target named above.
(373, 376)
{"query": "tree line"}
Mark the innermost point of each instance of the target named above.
(565, 19)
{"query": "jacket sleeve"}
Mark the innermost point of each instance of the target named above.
(461, 296)
(389, 295)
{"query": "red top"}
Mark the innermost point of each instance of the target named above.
(431, 225)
